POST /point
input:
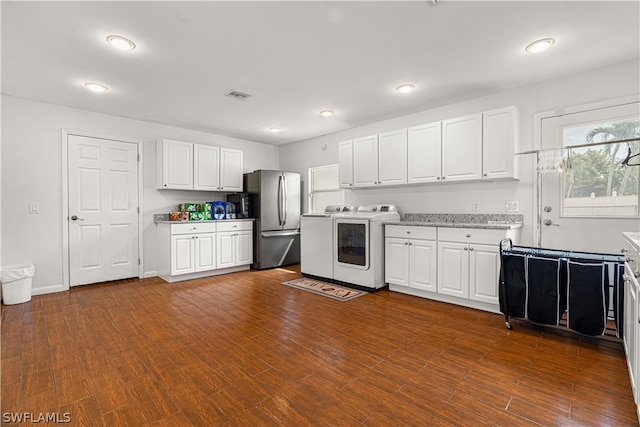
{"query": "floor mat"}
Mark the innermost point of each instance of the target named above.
(325, 289)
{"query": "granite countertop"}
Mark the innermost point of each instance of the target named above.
(486, 221)
(166, 221)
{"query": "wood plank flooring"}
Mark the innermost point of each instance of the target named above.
(242, 349)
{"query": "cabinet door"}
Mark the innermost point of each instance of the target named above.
(365, 161)
(175, 161)
(453, 269)
(225, 250)
(499, 141)
(462, 148)
(182, 254)
(392, 158)
(231, 169)
(345, 163)
(422, 265)
(206, 174)
(424, 162)
(396, 261)
(630, 334)
(244, 247)
(484, 273)
(205, 254)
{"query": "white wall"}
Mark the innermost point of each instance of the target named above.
(596, 85)
(31, 173)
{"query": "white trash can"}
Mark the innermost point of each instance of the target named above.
(16, 283)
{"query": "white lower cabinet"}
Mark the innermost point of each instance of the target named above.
(456, 265)
(234, 244)
(630, 327)
(410, 257)
(200, 249)
(193, 252)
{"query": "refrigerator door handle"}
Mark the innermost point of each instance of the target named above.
(279, 233)
(280, 196)
(284, 204)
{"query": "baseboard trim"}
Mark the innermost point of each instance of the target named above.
(47, 290)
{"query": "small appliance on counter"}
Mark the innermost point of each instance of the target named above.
(230, 210)
(242, 202)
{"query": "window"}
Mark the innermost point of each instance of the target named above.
(324, 188)
(596, 182)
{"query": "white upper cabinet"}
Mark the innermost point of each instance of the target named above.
(345, 163)
(365, 161)
(499, 142)
(174, 165)
(205, 168)
(462, 148)
(424, 153)
(231, 170)
(186, 166)
(392, 158)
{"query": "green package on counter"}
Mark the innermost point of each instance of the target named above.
(205, 207)
(206, 215)
(196, 216)
(188, 207)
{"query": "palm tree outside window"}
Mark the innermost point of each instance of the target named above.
(598, 183)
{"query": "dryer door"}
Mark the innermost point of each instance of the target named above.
(352, 243)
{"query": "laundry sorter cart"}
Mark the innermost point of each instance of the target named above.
(580, 290)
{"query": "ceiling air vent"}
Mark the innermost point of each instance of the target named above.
(236, 94)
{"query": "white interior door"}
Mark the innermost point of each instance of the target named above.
(583, 209)
(103, 210)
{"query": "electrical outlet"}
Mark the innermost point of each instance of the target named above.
(475, 206)
(511, 206)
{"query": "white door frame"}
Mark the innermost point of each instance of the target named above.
(65, 198)
(537, 139)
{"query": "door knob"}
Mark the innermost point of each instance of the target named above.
(75, 218)
(549, 222)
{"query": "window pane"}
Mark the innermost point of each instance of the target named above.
(597, 183)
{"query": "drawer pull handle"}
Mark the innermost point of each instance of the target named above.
(468, 235)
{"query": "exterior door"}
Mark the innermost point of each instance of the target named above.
(578, 200)
(103, 210)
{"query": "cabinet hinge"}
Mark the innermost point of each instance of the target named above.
(138, 157)
(138, 261)
(138, 209)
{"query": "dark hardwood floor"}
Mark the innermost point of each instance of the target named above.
(242, 349)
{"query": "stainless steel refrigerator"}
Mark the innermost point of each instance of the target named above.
(275, 196)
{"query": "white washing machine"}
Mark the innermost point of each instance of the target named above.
(316, 242)
(359, 246)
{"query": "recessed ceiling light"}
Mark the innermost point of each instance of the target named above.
(120, 42)
(539, 45)
(96, 87)
(406, 88)
(275, 130)
(327, 113)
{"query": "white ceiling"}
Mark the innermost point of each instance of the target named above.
(297, 58)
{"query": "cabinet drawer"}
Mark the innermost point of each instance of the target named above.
(235, 225)
(193, 227)
(471, 235)
(410, 232)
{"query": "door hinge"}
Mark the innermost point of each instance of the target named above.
(138, 157)
(138, 209)
(138, 261)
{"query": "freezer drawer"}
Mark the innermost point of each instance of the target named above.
(276, 248)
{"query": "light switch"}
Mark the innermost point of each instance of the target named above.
(33, 208)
